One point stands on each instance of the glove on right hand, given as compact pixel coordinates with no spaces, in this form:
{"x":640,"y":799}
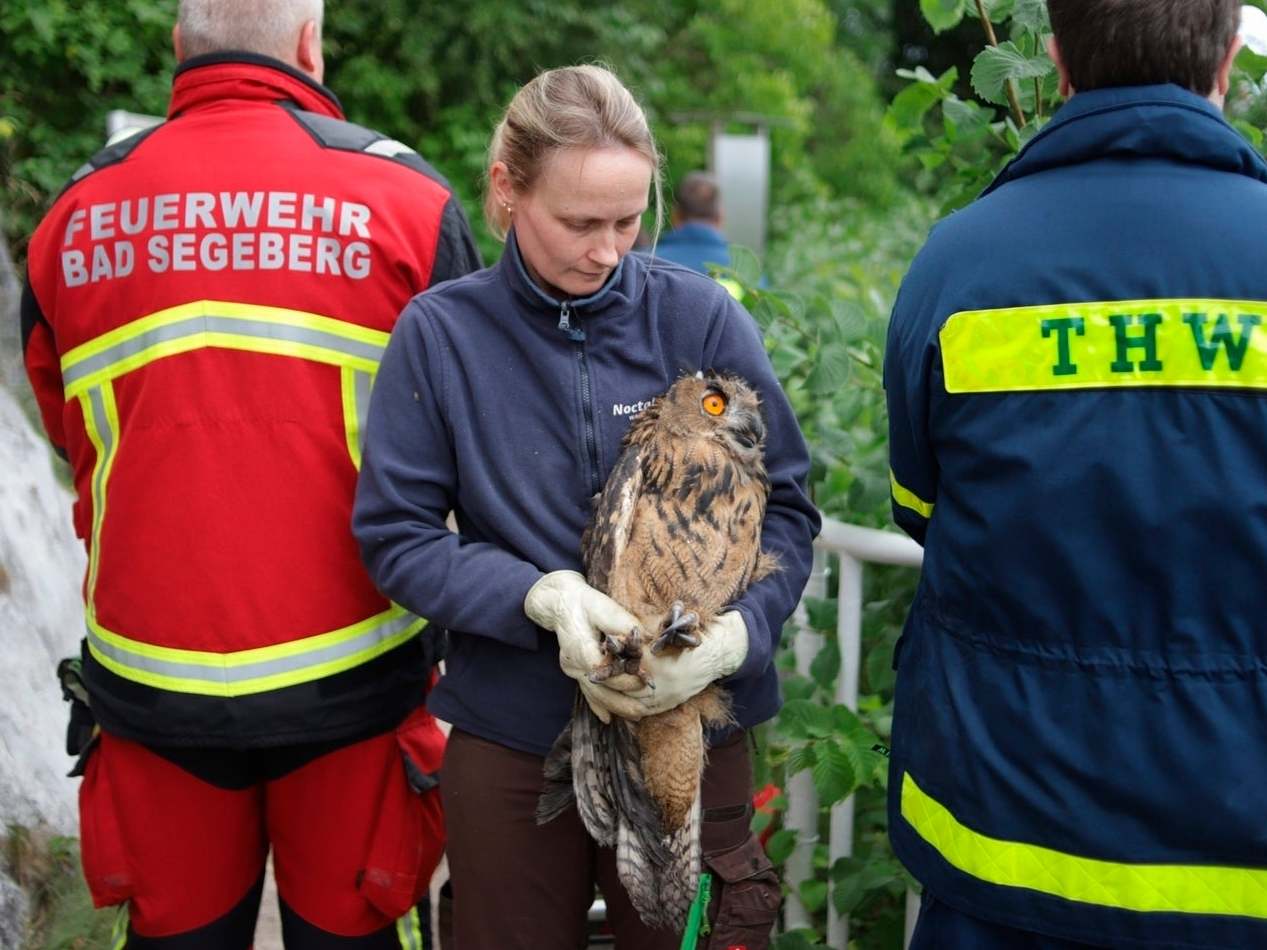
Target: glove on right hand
{"x":579,"y":616}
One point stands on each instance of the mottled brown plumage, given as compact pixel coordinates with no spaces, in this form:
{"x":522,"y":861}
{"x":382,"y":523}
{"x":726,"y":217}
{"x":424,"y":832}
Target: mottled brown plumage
{"x":675,"y":538}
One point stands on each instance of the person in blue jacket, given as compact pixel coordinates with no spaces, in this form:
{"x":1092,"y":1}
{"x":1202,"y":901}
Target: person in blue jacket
{"x":1076,"y":378}
{"x":696,"y":239}
{"x":503,"y":398}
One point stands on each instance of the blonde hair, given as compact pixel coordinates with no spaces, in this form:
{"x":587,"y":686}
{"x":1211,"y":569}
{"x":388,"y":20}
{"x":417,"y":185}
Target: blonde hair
{"x":571,"y":107}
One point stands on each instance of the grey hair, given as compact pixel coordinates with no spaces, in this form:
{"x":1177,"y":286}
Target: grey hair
{"x":269,"y":27}
{"x":570,"y":107}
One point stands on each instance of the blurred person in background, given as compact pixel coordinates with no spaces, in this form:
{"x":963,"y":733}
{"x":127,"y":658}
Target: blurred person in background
{"x":696,"y":239}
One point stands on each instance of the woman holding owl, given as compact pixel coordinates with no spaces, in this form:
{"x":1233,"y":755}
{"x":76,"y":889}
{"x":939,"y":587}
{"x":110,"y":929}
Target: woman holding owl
{"x":503,"y":397}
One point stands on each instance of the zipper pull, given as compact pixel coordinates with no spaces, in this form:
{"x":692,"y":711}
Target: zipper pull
{"x":575,"y":334}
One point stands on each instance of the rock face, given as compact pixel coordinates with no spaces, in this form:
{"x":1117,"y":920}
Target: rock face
{"x":41,"y":617}
{"x":41,"y":620}
{"x":13,"y":913}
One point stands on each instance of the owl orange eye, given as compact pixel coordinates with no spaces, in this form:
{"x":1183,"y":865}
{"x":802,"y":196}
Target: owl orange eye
{"x":714,"y":404}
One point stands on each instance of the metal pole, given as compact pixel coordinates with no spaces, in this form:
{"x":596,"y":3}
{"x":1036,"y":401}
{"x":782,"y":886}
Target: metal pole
{"x":849,"y":636}
{"x":802,"y":799}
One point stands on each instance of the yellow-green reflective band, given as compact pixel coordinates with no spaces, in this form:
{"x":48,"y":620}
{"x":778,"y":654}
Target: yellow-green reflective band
{"x":101,"y":422}
{"x":409,"y":930}
{"x":119,"y":932}
{"x":217,"y":323}
{"x":356,"y":404}
{"x":1193,"y":342}
{"x":908,"y":499}
{"x":1174,"y":888}
{"x":252,"y":671}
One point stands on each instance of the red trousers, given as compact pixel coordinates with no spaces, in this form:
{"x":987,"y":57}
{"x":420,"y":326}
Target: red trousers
{"x":354,"y":843}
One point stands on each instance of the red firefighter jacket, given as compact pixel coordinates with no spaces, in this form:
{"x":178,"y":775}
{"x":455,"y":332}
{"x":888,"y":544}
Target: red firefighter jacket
{"x":207,"y":303}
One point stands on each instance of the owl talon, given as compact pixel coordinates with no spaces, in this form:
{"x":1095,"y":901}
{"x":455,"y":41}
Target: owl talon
{"x":680,"y":630}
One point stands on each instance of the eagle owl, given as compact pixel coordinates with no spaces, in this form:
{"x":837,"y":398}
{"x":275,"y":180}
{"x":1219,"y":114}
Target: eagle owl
{"x":675,"y":538}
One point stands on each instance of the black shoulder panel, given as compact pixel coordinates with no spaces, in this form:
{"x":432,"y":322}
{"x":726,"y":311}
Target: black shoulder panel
{"x":329,"y":132}
{"x":111,"y":154}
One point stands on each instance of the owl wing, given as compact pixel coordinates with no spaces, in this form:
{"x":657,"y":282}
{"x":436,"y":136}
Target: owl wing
{"x":604,"y":540}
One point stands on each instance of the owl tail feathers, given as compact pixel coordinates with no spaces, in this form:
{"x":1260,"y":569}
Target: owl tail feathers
{"x":556,"y":794}
{"x":661,"y":891}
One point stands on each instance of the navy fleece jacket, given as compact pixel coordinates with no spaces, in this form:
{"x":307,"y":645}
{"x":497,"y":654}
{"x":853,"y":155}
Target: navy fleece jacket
{"x":507,"y":407}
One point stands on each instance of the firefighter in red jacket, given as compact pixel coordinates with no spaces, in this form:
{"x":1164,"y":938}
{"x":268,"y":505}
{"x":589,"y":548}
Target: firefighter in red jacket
{"x":206,"y":306}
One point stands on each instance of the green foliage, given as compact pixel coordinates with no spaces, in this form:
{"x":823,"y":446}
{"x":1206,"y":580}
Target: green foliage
{"x":46,"y":867}
{"x":437,"y":75}
{"x":66,"y":63}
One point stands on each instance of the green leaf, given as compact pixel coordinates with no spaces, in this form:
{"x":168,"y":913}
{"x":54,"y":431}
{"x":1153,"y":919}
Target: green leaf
{"x":801,"y":757}
{"x":834,"y":774}
{"x":746,"y":265}
{"x":822,"y":613}
{"x":1251,"y":132}
{"x":796,"y":940}
{"x":999,"y":10}
{"x":942,"y":15}
{"x":813,"y":894}
{"x":965,"y":119}
{"x":832,"y":371}
{"x":760,"y":821}
{"x":1031,"y":16}
{"x":995,"y":65}
{"x":805,"y":719}
{"x":1251,"y":63}
{"x":906,"y":112}
{"x":826,"y":665}
{"x":781,"y":845}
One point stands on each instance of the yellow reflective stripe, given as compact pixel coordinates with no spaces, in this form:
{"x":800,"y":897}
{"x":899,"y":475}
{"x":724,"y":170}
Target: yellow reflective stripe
{"x":214,"y":323}
{"x":409,"y":930}
{"x":252,"y":671}
{"x":356,"y":385}
{"x":1176,"y":888}
{"x":1195,"y":342}
{"x":101,"y":422}
{"x":908,"y":499}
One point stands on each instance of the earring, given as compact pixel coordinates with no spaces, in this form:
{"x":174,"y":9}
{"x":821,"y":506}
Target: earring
{"x":509,"y":209}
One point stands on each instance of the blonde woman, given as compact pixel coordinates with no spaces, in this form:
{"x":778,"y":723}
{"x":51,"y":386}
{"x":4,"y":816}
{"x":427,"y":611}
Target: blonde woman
{"x":503,"y":397}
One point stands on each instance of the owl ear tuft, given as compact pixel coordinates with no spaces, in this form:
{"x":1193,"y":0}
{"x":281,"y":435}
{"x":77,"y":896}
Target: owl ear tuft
{"x":699,"y":374}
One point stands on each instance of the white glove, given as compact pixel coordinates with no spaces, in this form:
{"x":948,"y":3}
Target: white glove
{"x":675,"y":679}
{"x":579,"y":616}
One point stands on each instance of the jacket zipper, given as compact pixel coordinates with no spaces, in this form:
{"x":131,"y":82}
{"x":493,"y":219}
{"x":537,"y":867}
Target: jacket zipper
{"x":577,"y":336}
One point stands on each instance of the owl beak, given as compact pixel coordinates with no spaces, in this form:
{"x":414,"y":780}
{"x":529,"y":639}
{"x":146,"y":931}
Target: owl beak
{"x":750,"y":431}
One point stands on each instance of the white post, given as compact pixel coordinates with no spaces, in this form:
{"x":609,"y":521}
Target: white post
{"x":912,"y":914}
{"x":849,"y":636}
{"x":802,"y":799}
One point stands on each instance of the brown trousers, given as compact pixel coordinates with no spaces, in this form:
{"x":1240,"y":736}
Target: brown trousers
{"x":521,"y":886}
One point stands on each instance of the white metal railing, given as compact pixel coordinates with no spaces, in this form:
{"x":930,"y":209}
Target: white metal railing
{"x":854,"y":546}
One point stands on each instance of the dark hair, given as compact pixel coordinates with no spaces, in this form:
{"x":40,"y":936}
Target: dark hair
{"x":697,"y":197}
{"x":1143,"y":42}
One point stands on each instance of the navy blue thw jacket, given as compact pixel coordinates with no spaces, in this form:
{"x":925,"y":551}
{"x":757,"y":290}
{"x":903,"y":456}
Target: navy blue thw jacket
{"x":1077,"y":384}
{"x":508,"y":408}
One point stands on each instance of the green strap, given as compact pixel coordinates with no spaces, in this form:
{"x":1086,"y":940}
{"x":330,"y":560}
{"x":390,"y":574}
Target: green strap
{"x":697,"y":916}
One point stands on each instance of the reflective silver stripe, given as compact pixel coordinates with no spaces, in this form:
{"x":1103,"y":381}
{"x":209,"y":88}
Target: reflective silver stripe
{"x":362,"y":383}
{"x":388,"y":148}
{"x":105,"y":432}
{"x":235,"y":326}
{"x":230,"y":672}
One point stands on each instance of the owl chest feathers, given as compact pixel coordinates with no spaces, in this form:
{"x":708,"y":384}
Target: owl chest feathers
{"x":692,"y":534}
